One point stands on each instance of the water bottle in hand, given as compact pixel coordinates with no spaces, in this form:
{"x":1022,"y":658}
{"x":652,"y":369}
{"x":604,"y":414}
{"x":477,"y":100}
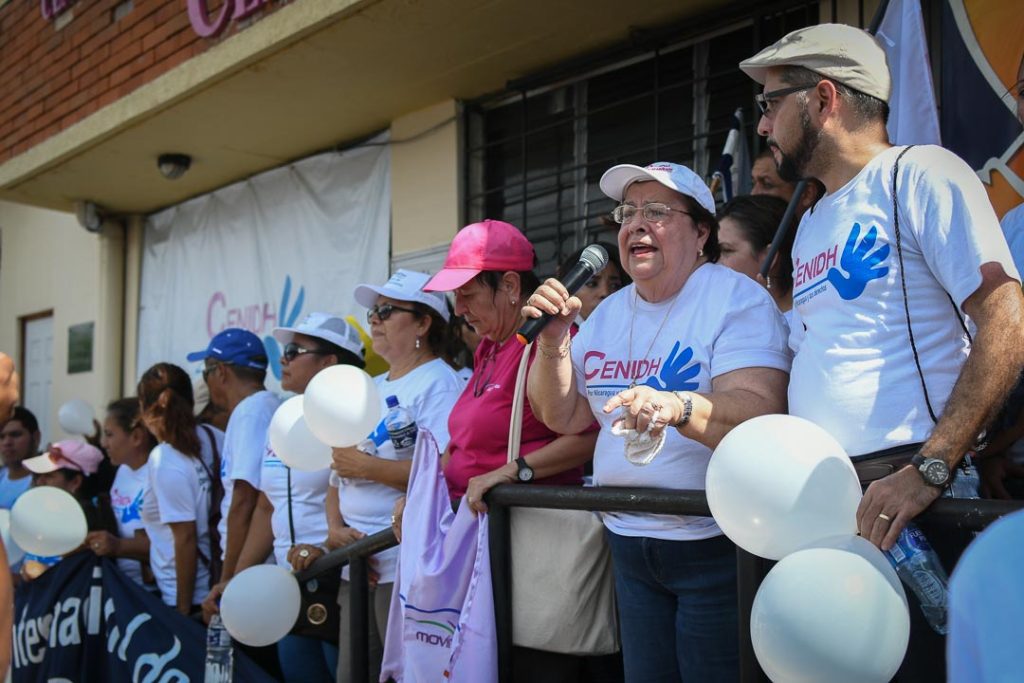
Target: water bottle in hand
{"x":400,"y":425}
{"x":220,"y":658}
{"x":919,"y":568}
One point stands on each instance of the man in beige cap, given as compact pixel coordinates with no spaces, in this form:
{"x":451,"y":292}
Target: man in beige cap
{"x":883,"y":358}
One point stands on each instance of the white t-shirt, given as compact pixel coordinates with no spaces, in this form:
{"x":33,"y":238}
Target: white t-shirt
{"x":722,"y":321}
{"x":179,"y":491}
{"x":242,"y":456}
{"x":428,"y":393}
{"x":126,"y":496}
{"x":1013,"y":230}
{"x":309,"y":491}
{"x":854,"y":372}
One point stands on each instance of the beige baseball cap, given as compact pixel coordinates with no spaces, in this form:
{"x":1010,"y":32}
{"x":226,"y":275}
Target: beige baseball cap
{"x":845,"y":54}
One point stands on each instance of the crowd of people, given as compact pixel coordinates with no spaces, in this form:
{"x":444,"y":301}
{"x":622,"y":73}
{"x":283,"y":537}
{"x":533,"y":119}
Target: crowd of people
{"x":891,"y":318}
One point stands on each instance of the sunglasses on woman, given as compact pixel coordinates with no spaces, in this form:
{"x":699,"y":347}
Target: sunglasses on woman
{"x":292,"y":351}
{"x":384,"y":311}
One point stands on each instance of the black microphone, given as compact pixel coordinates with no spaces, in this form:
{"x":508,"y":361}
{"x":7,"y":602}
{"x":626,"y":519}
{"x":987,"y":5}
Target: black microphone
{"x":592,"y":261}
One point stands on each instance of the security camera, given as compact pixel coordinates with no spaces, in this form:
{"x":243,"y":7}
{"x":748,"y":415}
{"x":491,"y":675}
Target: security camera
{"x":173,"y":166}
{"x":89,"y":216}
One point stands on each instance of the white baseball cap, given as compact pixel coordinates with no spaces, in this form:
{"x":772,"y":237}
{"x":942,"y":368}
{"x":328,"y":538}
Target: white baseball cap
{"x":404,"y":285}
{"x":327,"y":327}
{"x":845,"y":54}
{"x":673,"y":176}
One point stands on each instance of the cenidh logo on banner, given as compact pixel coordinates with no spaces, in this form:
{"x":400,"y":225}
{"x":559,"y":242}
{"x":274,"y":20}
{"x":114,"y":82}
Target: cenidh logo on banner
{"x":260,"y":318}
{"x":981,"y":65}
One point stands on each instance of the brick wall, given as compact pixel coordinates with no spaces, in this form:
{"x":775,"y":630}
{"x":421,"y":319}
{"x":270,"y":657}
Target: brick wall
{"x":53,"y":77}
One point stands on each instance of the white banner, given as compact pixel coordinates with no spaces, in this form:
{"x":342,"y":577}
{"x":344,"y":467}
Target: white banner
{"x":265,"y":252}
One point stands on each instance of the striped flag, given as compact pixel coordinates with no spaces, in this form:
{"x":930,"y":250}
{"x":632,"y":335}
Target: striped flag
{"x":733,"y":171}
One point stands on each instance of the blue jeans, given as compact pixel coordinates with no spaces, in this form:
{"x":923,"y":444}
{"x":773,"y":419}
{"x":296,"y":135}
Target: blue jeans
{"x":307,"y":660}
{"x":678,"y":609}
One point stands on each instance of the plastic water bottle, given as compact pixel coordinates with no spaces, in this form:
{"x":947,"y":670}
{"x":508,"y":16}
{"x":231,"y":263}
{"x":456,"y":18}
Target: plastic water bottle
{"x":220,"y":657}
{"x":919,"y":568}
{"x":400,"y":425}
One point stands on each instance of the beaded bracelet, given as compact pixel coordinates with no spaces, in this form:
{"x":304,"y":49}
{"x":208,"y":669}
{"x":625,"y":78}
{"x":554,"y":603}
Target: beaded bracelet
{"x":687,"y":400}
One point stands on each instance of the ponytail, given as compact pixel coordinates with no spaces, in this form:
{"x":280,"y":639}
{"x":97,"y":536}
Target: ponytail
{"x":165,"y":399}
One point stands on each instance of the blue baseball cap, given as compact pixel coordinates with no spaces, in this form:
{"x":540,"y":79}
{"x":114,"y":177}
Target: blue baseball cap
{"x":236,"y":346}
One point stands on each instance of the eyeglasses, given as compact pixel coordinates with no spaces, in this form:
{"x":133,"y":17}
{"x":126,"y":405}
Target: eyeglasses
{"x":655,"y":212}
{"x":210,"y":368}
{"x":766,"y":101}
{"x":384,"y":311}
{"x":292,"y":351}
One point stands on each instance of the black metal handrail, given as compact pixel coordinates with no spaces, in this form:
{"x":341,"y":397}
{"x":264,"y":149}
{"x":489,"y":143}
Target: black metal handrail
{"x":965,"y":514}
{"x":355,"y":555}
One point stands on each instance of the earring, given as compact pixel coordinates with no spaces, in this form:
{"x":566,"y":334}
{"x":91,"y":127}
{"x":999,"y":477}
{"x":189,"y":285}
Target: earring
{"x":768,"y":282}
{"x":700,"y":252}
{"x":513,"y":302}
{"x":417,"y":342}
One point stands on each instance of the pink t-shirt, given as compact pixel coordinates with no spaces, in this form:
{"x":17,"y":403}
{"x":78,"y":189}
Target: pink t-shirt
{"x":478,"y":425}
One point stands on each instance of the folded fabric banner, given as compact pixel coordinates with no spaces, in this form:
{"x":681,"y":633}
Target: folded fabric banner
{"x":84,"y":620}
{"x":441,"y":624}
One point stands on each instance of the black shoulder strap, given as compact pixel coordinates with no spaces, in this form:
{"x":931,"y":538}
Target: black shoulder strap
{"x":903,"y":285}
{"x":291,"y":520}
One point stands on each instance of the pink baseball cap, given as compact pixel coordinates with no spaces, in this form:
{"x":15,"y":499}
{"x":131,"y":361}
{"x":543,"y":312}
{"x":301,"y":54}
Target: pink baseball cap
{"x":487,"y":245}
{"x":72,"y":455}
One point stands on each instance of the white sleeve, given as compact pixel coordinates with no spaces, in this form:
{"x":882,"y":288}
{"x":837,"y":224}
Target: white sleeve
{"x":952,"y":219}
{"x":246,"y":448}
{"x":176,"y":489}
{"x":752,"y":335}
{"x":433,"y":408}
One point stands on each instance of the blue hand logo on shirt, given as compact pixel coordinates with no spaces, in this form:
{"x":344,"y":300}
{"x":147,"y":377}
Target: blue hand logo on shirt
{"x":134,"y":511}
{"x":379,"y":436}
{"x":861,"y":265}
{"x":285,"y":318}
{"x":675,"y":375}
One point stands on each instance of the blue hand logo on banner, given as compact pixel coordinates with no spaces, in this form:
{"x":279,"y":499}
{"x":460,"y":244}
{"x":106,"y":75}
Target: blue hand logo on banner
{"x":285,"y":318}
{"x":675,"y":374}
{"x":859,"y":263}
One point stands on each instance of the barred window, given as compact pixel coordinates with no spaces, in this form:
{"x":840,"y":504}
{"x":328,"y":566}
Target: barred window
{"x":536,"y":152}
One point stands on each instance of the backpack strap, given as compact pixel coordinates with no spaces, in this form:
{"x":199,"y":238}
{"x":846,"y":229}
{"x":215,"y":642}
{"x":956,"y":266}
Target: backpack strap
{"x":903,"y":285}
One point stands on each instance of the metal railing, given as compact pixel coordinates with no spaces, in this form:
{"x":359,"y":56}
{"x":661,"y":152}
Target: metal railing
{"x":963,"y":514}
{"x":960,"y":514}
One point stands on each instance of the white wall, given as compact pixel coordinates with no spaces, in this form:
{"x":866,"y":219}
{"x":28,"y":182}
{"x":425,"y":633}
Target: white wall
{"x":48,"y":262}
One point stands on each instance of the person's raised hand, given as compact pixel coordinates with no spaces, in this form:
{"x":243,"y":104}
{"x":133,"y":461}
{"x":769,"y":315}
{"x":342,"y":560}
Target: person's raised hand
{"x":8,"y":386}
{"x":553,"y":298}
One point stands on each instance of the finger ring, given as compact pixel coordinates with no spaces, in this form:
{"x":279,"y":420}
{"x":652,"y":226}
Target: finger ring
{"x":303,"y":553}
{"x":885,"y":516}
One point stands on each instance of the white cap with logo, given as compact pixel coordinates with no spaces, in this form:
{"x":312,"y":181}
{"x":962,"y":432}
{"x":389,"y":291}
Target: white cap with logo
{"x":673,"y":176}
{"x":404,"y":285}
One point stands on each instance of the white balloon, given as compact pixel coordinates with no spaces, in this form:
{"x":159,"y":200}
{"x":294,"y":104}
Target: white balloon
{"x":260,"y":605}
{"x":835,"y":612}
{"x":342,"y":405}
{"x":76,"y":416}
{"x":47,"y":521}
{"x":14,"y":552}
{"x":777,"y":483}
{"x":293,"y":442}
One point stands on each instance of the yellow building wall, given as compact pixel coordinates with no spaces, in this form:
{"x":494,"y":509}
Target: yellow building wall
{"x":48,"y":262}
{"x":426,"y":198}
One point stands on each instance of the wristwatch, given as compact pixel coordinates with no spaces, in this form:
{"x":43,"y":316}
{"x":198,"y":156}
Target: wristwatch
{"x":934,"y":471}
{"x":525,"y":473}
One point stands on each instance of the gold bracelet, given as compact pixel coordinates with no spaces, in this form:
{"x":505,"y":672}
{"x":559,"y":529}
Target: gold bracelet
{"x":554,"y":352}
